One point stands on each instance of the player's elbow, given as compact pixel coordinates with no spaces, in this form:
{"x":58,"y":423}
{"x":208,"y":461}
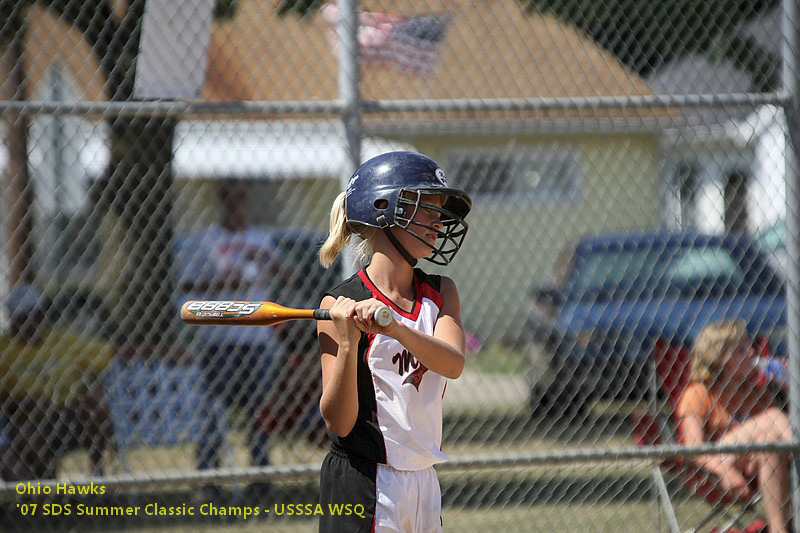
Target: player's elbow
{"x":456,"y":368}
{"x":339,"y":428}
{"x":338,"y":423}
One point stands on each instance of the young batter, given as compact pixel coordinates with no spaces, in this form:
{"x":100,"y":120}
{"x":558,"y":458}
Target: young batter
{"x":383,"y":386}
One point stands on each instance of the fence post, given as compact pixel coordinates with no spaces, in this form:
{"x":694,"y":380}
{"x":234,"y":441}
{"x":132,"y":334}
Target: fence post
{"x":791,"y":83}
{"x":349,"y":92}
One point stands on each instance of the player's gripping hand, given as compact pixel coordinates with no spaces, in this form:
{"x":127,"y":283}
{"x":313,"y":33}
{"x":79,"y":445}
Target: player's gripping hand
{"x":364,"y":313}
{"x":343,"y":316}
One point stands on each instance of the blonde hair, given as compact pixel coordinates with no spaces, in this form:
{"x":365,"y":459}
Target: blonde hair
{"x":714,"y":347}
{"x":340,"y":233}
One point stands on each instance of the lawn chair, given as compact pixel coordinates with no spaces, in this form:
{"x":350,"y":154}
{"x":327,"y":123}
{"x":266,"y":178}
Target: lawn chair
{"x":157,"y":403}
{"x":667,"y":382}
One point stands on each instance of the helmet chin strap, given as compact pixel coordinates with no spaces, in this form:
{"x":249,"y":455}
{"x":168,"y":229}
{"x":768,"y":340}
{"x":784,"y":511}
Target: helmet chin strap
{"x":392,"y":239}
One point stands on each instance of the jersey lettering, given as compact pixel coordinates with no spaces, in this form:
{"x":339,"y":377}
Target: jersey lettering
{"x":405,"y":361}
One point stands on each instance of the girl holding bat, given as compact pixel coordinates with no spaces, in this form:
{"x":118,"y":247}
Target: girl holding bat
{"x":383,"y":386}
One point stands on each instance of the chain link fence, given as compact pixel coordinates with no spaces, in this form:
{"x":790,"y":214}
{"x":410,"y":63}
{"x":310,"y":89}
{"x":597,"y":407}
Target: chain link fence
{"x":633,"y":180}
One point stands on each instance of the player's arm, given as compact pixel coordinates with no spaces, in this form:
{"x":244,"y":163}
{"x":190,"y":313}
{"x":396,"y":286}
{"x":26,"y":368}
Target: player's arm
{"x":338,"y":339}
{"x":443,"y":352}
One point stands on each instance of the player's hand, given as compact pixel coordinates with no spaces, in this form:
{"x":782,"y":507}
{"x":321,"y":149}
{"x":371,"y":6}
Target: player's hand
{"x":365,"y":311}
{"x":343,"y":316}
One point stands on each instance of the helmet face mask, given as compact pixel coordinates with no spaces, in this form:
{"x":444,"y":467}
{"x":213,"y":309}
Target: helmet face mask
{"x":388,"y":190}
{"x":450,"y":237}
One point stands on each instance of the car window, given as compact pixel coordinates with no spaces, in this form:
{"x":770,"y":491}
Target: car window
{"x":611,"y":268}
{"x":771,"y":239}
{"x":654,"y":269}
{"x":702,"y":263}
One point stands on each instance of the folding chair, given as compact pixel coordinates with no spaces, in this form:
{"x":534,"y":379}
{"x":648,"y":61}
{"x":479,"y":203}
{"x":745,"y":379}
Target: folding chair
{"x":156,"y":403}
{"x":669,"y":376}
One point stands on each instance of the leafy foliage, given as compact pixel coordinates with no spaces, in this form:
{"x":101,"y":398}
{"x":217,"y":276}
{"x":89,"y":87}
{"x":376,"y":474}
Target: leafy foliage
{"x":645,"y":34}
{"x":299,"y":7}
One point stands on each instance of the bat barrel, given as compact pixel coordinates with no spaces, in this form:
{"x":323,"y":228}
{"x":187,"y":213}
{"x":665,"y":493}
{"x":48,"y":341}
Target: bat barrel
{"x":248,"y":313}
{"x":239,"y":313}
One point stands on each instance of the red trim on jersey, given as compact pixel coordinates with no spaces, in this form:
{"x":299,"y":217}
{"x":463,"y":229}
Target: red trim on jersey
{"x":431,"y":294}
{"x":421,"y":290}
{"x":378,"y":295}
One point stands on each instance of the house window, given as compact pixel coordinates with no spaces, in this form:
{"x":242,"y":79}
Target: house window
{"x":530,"y":175}
{"x":688,"y":185}
{"x":62,"y":163}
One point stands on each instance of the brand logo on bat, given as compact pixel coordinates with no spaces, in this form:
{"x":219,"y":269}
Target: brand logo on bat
{"x":222,"y":309}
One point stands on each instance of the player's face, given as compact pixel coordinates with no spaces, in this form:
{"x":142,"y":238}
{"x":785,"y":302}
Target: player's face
{"x":426,"y":225}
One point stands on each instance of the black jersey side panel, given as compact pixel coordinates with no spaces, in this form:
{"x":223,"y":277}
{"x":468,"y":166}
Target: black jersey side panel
{"x":366,"y":438}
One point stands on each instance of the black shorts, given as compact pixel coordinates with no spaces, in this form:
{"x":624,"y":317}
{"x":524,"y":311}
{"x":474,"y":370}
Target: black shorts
{"x":347,"y":480}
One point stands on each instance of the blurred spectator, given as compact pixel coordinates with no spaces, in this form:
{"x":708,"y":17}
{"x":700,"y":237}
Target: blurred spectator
{"x":229,"y":261}
{"x":726,"y":403}
{"x":51,"y":395}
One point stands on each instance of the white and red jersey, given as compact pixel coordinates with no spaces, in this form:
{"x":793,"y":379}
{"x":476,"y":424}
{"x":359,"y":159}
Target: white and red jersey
{"x":400,"y":401}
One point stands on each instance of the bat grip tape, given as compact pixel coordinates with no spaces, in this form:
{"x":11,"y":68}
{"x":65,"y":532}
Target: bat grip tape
{"x":322,"y":314}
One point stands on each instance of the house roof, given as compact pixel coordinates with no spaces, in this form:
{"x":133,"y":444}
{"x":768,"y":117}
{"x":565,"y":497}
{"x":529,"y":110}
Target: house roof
{"x":492,"y":49}
{"x":695,"y":74}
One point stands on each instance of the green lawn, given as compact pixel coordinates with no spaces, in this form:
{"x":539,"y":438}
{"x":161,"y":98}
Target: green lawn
{"x":485,"y":414}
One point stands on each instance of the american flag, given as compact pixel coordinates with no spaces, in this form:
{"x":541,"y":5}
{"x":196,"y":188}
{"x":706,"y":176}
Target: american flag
{"x":410,"y":42}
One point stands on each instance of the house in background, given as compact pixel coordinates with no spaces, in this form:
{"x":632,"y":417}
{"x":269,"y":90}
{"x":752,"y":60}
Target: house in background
{"x":539,"y":179}
{"x":725,"y":169}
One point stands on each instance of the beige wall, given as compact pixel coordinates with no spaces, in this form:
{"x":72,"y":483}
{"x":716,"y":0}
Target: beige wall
{"x":511,"y":249}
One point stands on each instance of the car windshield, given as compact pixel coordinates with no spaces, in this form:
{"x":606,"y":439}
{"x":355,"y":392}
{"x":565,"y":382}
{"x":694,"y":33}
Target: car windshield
{"x":649,"y":269}
{"x":772,"y":239}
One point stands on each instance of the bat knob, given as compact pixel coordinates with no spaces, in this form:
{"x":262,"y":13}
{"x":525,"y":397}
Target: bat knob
{"x":383,"y":316}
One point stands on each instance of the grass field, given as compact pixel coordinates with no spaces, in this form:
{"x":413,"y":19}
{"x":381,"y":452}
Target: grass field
{"x":486,"y":414}
{"x":609,"y":496}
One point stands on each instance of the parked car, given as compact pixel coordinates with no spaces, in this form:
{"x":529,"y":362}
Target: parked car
{"x":592,"y":330}
{"x":772,"y":242}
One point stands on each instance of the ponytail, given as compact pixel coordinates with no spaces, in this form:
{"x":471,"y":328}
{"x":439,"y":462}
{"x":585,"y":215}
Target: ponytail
{"x":339,"y":234}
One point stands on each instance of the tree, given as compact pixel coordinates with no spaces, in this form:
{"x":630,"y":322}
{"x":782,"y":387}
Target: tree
{"x":137,"y":186}
{"x":645,"y":35}
{"x":18,"y":194}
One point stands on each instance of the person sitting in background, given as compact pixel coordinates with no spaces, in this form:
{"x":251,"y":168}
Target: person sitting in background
{"x":725,"y":403}
{"x":51,"y":395}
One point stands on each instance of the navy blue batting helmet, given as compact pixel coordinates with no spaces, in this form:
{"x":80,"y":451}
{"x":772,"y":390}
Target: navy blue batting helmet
{"x":387,"y":191}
